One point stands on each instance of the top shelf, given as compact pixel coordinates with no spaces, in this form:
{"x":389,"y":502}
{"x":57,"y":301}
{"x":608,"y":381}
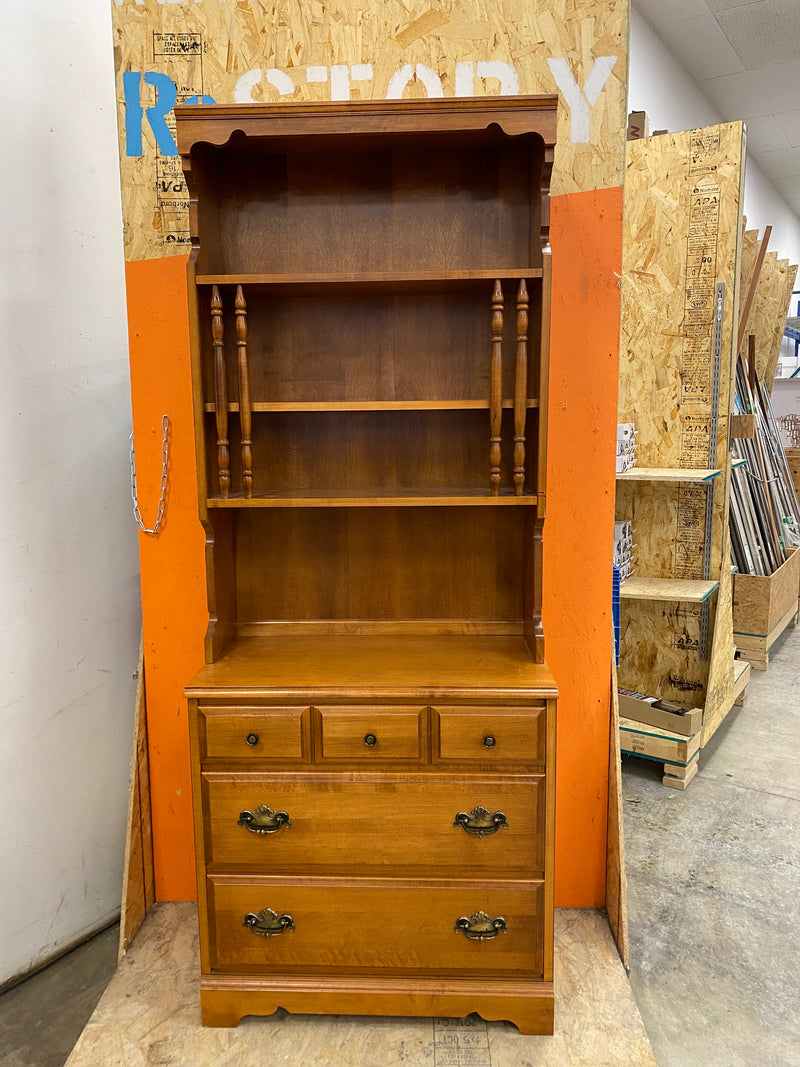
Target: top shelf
{"x":432,"y":280}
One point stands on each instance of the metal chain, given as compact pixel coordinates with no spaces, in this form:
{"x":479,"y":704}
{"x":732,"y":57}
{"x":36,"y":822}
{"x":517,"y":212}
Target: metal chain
{"x":164,"y":461}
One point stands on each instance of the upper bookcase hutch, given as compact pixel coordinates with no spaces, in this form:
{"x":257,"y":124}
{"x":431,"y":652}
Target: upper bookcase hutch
{"x":369,"y":288}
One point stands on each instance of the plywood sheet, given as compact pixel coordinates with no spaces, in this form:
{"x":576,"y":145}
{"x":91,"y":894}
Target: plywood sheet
{"x":720,"y":690}
{"x":789,"y":275}
{"x":682,"y":237}
{"x":616,"y":877}
{"x":138,"y":882}
{"x":240,"y":50}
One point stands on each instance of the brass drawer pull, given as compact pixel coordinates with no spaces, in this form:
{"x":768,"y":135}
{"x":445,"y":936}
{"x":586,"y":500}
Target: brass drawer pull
{"x":268,"y":923}
{"x":479,"y":822}
{"x":489,"y":741}
{"x":479,"y":927}
{"x":264,"y":820}
{"x":370,"y":740}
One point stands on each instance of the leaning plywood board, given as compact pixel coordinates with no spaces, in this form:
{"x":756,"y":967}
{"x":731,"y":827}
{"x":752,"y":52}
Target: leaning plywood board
{"x":616,"y":878}
{"x":790,"y":275}
{"x":747,"y":263}
{"x":681,"y":241}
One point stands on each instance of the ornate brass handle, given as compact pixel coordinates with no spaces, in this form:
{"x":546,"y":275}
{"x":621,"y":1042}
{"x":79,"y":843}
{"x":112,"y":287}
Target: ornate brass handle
{"x":263,"y":820}
{"x":268,"y":923}
{"x":479,"y":822}
{"x":479,"y":927}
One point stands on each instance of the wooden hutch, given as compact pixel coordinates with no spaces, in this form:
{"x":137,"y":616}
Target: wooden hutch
{"x":373,"y":734}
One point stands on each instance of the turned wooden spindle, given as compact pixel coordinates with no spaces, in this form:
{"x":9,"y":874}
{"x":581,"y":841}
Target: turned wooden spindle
{"x":496,"y":390}
{"x":220,"y":394}
{"x":245,"y":408}
{"x":521,"y":388}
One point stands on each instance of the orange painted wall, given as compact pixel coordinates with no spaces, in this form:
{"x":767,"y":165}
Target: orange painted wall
{"x":586,"y":236}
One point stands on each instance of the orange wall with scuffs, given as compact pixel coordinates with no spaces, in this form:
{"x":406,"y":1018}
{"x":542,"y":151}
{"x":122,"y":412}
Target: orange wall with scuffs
{"x":586,"y":237}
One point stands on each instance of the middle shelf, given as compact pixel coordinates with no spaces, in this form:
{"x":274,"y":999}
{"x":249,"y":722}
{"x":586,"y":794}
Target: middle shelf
{"x":381,"y":498}
{"x":370,"y":405}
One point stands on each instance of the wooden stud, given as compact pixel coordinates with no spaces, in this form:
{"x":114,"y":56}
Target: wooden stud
{"x":220,"y":394}
{"x":521,"y":388}
{"x":496,"y":389}
{"x":244,"y":392}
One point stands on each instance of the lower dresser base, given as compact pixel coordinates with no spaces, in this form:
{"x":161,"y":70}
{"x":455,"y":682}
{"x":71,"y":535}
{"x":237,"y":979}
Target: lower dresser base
{"x":225,"y":1000}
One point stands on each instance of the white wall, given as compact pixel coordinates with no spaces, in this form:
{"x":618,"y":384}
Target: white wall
{"x":659,"y":85}
{"x":69,"y":568}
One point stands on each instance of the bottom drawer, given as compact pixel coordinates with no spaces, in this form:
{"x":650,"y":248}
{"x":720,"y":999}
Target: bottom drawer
{"x":372,"y":926}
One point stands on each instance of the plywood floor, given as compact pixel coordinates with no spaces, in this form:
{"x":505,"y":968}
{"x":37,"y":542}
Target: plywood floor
{"x":150,"y":1016}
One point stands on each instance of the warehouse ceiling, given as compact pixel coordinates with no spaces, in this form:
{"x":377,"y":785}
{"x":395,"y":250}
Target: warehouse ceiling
{"x":745,"y":56}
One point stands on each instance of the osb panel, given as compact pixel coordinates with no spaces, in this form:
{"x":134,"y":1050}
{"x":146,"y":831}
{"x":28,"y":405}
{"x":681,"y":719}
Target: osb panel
{"x":747,"y":263}
{"x":789,"y":275}
{"x":239,"y":50}
{"x":682,"y":236}
{"x":763,"y":313}
{"x":719,"y":693}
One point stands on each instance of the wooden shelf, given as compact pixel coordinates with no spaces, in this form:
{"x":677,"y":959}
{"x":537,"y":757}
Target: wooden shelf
{"x":427,"y":280}
{"x":418,"y":665}
{"x":668,"y":474}
{"x":683,"y":589}
{"x":374,"y":498}
{"x":371,"y":405}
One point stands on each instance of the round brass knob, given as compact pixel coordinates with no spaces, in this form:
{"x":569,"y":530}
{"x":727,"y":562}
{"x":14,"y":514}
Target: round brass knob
{"x":370,"y":740}
{"x":489,"y":741}
{"x":252,"y":739}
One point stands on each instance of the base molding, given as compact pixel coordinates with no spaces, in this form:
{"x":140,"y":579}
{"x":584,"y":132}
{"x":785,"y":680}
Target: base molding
{"x":225,"y":999}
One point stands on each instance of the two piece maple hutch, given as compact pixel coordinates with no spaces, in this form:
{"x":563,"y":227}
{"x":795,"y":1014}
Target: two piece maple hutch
{"x":373,"y":732}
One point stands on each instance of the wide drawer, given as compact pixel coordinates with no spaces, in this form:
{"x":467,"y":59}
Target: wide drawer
{"x":491,"y":735}
{"x":373,"y":732}
{"x":254,"y":733}
{"x":364,"y":926}
{"x":378,"y":821}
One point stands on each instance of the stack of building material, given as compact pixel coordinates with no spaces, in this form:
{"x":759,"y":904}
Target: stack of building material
{"x":765,"y":529}
{"x":623,"y":549}
{"x":626,"y":446}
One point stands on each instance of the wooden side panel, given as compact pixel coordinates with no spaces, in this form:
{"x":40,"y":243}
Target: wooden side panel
{"x":721,"y":675}
{"x":138,"y":882}
{"x":616,"y":877}
{"x":681,"y":239}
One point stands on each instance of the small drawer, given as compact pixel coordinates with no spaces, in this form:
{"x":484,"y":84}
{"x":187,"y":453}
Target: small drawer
{"x":272,"y":925}
{"x":373,"y":733}
{"x":257,"y":733}
{"x":492,"y":734}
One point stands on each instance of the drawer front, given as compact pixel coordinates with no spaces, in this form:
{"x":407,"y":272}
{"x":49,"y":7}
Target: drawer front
{"x":392,"y":821}
{"x":492,"y":734}
{"x":257,"y":733}
{"x":357,"y":927}
{"x":373,"y":733}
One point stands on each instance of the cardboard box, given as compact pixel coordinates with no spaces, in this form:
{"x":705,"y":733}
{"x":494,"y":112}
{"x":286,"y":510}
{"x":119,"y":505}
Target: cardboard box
{"x":638,"y":125}
{"x":640,"y":709}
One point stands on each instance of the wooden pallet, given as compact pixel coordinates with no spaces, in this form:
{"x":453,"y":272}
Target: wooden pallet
{"x":755,"y":648}
{"x":679,"y":754}
{"x":741,"y":680}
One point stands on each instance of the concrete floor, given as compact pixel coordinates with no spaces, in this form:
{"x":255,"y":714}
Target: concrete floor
{"x":713,"y":887}
{"x":41,"y":1019}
